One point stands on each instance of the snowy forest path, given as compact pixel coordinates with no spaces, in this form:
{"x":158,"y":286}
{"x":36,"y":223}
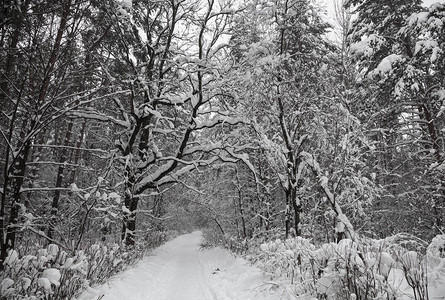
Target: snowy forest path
{"x":180,"y":270}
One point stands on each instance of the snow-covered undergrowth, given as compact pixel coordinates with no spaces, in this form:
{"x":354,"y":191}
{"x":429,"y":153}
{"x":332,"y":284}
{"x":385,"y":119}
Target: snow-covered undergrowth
{"x":364,"y":269}
{"x":56,"y":273}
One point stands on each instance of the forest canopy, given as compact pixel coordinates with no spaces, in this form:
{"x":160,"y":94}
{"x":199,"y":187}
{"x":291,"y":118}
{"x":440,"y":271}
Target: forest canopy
{"x":122,"y":120}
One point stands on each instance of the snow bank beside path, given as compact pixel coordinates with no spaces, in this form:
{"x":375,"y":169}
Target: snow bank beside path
{"x":179,"y":270}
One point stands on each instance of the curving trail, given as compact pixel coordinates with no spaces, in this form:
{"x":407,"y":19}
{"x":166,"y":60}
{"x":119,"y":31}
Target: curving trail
{"x":179,"y":270}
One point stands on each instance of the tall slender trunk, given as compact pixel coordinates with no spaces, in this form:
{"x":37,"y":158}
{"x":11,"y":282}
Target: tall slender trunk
{"x":35,"y":155}
{"x":240,"y":205}
{"x":59,"y":180}
{"x":345,"y":230}
{"x":76,"y":157}
{"x":438,"y":197}
{"x":16,"y":178}
{"x":288,"y":215}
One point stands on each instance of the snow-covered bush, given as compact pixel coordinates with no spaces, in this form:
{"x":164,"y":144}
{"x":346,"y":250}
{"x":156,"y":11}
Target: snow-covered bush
{"x":362,"y":269}
{"x":38,"y":275}
{"x":331,"y":271}
{"x":436,"y":249}
{"x":435,"y":254}
{"x":55,"y":273}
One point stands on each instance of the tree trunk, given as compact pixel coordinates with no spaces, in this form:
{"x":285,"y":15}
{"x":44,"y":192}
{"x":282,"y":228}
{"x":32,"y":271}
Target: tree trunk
{"x":16,"y":176}
{"x":131,"y":205}
{"x":240,"y":205}
{"x":297,"y":212}
{"x":345,"y":230}
{"x":59,"y":180}
{"x":76,"y":157}
{"x":287,"y":214}
{"x":129,"y":220}
{"x":438,"y":197}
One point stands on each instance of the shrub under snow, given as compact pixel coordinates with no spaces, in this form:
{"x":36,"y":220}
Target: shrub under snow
{"x":366,"y":269}
{"x":53,"y":273}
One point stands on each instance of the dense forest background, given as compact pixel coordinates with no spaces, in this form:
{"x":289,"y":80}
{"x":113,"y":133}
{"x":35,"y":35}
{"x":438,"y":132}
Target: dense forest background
{"x":124,"y":120}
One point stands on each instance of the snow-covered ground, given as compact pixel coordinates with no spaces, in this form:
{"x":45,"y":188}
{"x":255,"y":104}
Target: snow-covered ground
{"x":181,"y":270}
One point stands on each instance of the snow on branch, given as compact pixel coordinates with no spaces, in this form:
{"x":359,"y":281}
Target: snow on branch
{"x":387,"y":64}
{"x":95,"y":115}
{"x":70,"y":147}
{"x":344,"y":224}
{"x":218,"y":120}
{"x":175,"y":176}
{"x":203,"y":148}
{"x":44,"y":189}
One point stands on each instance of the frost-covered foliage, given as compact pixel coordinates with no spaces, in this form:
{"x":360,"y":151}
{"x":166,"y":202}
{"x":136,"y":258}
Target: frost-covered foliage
{"x":413,"y":71}
{"x":292,"y":104}
{"x":405,"y":50}
{"x":56,"y":273}
{"x":362,"y":269}
{"x":398,"y":49}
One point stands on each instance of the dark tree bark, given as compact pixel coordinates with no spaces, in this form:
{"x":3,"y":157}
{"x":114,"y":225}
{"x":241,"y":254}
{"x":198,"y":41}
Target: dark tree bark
{"x":59,"y":180}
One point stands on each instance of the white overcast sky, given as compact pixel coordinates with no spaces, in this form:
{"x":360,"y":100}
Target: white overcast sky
{"x":429,"y":2}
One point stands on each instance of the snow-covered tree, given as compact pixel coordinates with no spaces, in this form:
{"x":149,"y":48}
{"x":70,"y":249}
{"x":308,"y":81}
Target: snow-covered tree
{"x":41,"y":75}
{"x":166,"y":56}
{"x":289,"y":67}
{"x":398,"y":46}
